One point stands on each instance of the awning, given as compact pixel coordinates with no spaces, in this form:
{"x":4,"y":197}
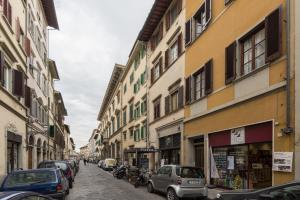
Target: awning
{"x":141,"y":150}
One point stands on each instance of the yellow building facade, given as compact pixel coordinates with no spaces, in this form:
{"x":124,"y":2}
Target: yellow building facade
{"x":236,"y":114}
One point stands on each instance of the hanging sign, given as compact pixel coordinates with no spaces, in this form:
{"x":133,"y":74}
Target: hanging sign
{"x":237,"y":136}
{"x":283,"y":161}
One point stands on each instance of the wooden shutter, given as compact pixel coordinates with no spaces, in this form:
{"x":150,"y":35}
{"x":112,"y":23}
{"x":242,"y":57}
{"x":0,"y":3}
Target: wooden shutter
{"x":5,"y":8}
{"x":187,"y":90}
{"x":152,"y":75}
{"x":28,"y":97}
{"x":180,"y":97}
{"x":273,"y":28}
{"x":160,"y":67}
{"x":2,"y":62}
{"x":179,"y":6}
{"x":18,"y":83}
{"x":9,"y":13}
{"x":207,"y":11}
{"x":168,"y":20}
{"x":230,"y":63}
{"x":166,"y":58}
{"x":188,"y":32}
{"x":18,"y":29}
{"x":152,"y":44}
{"x":167,"y":105}
{"x":179,"y":41}
{"x":27,"y":47}
{"x":161,"y":31}
{"x":208,"y":77}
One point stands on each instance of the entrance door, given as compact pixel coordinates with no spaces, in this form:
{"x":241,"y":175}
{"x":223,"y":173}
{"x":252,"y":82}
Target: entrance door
{"x":29,"y":157}
{"x":199,"y":155}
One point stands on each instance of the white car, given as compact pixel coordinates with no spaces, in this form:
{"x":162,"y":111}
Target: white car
{"x":109,"y":164}
{"x":100,"y":163}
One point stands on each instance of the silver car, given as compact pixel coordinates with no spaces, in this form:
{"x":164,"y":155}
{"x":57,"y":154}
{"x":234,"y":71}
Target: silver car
{"x":178,"y":182}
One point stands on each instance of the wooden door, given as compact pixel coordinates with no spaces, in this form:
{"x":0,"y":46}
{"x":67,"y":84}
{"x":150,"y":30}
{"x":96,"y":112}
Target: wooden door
{"x":30,"y":158}
{"x":199,"y":155}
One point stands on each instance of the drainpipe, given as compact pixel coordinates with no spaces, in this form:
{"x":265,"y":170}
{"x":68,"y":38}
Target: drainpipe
{"x":288,"y":129}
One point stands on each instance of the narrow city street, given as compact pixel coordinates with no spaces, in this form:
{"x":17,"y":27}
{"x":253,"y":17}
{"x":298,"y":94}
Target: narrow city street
{"x":92,"y":183}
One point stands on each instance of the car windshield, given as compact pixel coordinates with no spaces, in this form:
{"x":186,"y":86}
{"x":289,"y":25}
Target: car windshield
{"x":28,"y":178}
{"x":189,"y":172}
{"x":61,"y":165}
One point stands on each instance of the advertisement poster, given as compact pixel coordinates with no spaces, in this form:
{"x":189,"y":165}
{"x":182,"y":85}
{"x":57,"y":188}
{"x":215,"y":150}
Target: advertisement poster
{"x":283,"y":161}
{"x":230,"y":162}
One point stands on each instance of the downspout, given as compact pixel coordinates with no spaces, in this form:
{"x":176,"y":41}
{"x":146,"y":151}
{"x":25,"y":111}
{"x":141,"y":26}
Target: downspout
{"x":288,"y":129}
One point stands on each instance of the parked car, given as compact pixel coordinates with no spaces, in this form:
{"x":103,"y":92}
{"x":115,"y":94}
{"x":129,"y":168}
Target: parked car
{"x":289,"y":191}
{"x":23,"y":196}
{"x":73,"y":166}
{"x":63,"y":165}
{"x":178,"y":182}
{"x":109,"y":164}
{"x":100,"y":163}
{"x":49,"y":182}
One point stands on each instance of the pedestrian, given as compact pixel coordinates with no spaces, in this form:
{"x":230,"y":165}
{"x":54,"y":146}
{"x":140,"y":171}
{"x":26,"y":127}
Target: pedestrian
{"x":84,"y":161}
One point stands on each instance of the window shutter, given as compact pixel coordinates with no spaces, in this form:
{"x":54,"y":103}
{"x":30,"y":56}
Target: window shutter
{"x":192,"y":91}
{"x":168,"y":20}
{"x":5,"y":8}
{"x":179,"y":41}
{"x":188,"y":32}
{"x":166,"y":58}
{"x":9,"y":13}
{"x":18,"y":83}
{"x":161,"y":31}
{"x":28,"y":97}
{"x":2,"y":61}
{"x":27,"y":47}
{"x":207,"y":11}
{"x":167,"y":105}
{"x":273,"y":28}
{"x":18,"y":29}
{"x":230,"y":65}
{"x":180,"y":97}
{"x":152,"y":74}
{"x":160,"y":67}
{"x":208,"y":77}
{"x":179,"y":6}
{"x":187,"y":90}
{"x":152,"y":44}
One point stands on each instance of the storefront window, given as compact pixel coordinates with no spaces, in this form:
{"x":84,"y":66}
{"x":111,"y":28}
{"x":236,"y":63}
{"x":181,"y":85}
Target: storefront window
{"x":243,"y":166}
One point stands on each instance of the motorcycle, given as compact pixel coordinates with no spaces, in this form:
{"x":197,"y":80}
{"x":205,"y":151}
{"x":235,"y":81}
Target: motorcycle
{"x":142,"y":179}
{"x":120,"y":172}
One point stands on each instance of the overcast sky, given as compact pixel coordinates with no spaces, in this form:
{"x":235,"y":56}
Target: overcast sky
{"x":93,"y":36}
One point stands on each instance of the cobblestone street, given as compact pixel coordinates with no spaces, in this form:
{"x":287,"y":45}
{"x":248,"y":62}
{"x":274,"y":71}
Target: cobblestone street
{"x":92,"y":183}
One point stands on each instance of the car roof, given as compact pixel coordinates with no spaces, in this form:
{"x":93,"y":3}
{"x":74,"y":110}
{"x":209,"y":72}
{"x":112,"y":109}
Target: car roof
{"x":12,"y":194}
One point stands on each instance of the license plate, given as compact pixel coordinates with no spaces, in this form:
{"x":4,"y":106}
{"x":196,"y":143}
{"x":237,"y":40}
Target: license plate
{"x":193,"y":182}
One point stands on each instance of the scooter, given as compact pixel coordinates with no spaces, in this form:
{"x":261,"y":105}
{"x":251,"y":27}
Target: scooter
{"x":142,"y":179}
{"x":120,"y":172}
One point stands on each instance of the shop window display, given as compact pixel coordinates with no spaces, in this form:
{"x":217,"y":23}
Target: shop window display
{"x":243,"y":166}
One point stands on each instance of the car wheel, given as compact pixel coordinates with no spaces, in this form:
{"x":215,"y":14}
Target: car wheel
{"x":150,"y":188}
{"x":171,"y":195}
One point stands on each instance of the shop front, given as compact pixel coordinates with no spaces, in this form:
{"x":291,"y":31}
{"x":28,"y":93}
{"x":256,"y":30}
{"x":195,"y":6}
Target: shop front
{"x":139,"y":157}
{"x":241,"y":158}
{"x":170,"y":149}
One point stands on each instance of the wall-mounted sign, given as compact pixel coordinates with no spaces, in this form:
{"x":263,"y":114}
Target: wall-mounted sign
{"x":283,"y":161}
{"x":238,"y":136}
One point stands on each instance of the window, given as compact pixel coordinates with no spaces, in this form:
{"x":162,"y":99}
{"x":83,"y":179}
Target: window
{"x":131,"y":132}
{"x":113,"y":125}
{"x":173,"y":13}
{"x":131,"y":78}
{"x":144,"y":130}
{"x":118,"y":121}
{"x":131,"y":112}
{"x":118,"y":97}
{"x":137,"y":112}
{"x":157,"y":36}
{"x":199,"y":84}
{"x":125,"y":88}
{"x":156,"y":71}
{"x":198,"y":23}
{"x":173,"y":52}
{"x":137,"y":136}
{"x":124,"y":136}
{"x":7,"y":11}
{"x":124,"y":117}
{"x":156,"y":106}
{"x":144,"y":105}
{"x":174,"y":101}
{"x":8,"y":78}
{"x":253,"y":52}
{"x":143,"y":76}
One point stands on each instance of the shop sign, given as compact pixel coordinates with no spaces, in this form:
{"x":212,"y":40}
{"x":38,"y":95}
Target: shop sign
{"x":237,"y":136}
{"x":283,"y":161}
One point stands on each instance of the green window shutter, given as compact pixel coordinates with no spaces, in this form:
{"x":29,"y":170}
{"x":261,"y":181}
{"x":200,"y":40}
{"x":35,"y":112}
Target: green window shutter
{"x":138,"y":134}
{"x":135,"y":139}
{"x":134,"y":88}
{"x":142,"y":107}
{"x":142,"y":132}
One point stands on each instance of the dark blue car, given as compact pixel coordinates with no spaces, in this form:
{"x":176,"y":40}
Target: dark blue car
{"x":23,"y":196}
{"x":49,"y":182}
